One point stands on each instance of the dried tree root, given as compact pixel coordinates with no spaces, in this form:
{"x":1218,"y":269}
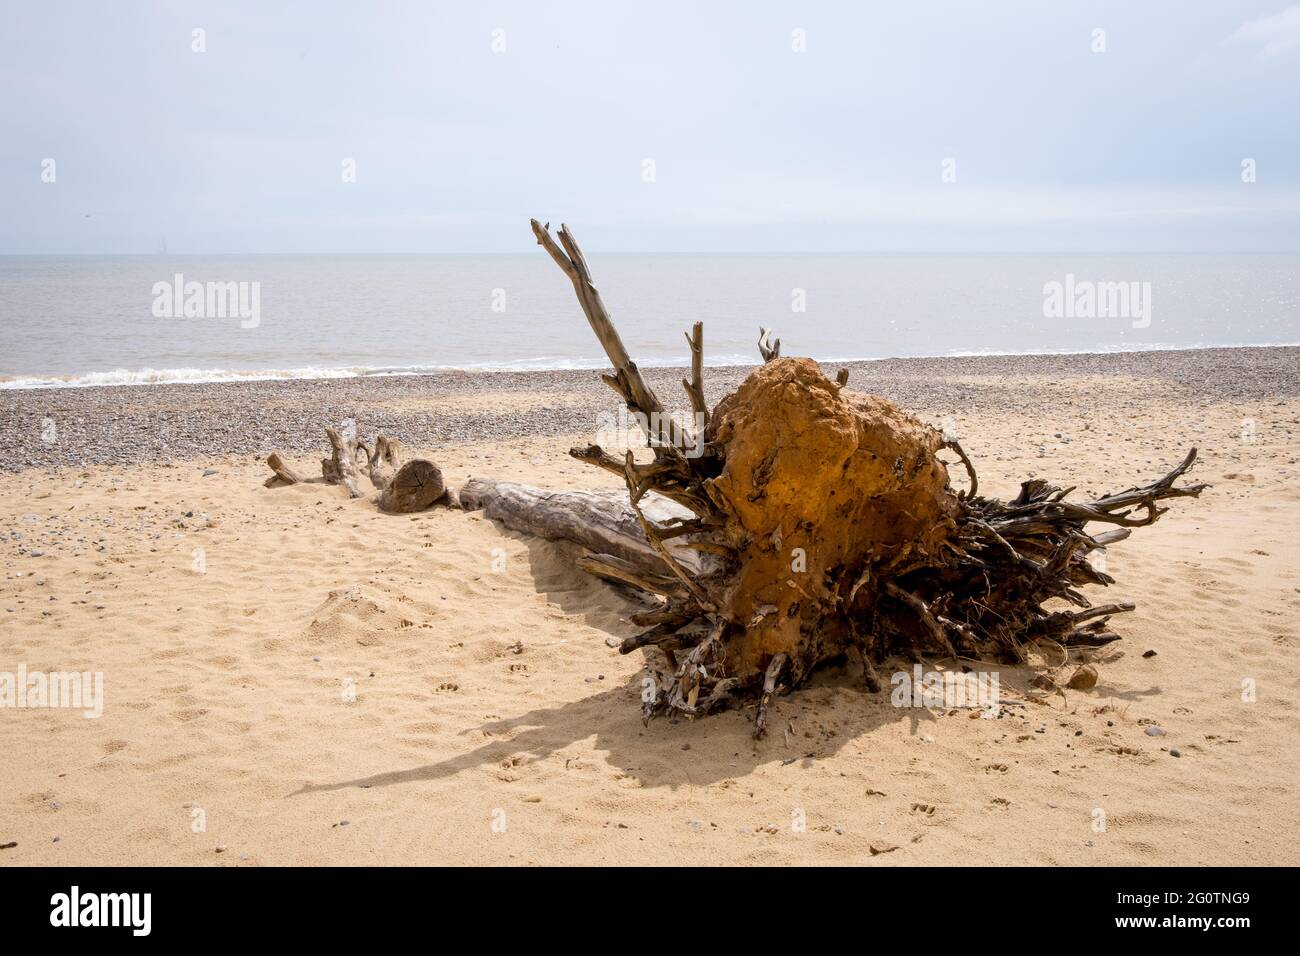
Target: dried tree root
{"x":830,"y":528}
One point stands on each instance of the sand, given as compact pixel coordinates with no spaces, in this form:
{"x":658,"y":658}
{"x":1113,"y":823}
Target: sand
{"x":291,"y":677}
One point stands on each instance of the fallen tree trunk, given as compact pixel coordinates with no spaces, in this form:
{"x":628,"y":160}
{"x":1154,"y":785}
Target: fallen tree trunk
{"x":601,"y":521}
{"x":830,"y":528}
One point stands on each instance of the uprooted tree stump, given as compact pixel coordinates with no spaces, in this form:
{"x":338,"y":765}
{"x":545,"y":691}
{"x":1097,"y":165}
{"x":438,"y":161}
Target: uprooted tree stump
{"x":825,"y":526}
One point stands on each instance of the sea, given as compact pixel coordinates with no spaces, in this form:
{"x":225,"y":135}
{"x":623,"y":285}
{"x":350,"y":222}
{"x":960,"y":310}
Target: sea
{"x":140,"y":320}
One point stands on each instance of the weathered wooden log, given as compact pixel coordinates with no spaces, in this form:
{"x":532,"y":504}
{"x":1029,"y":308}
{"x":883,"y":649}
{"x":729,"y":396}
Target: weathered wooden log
{"x":600,"y":521}
{"x":417,"y":485}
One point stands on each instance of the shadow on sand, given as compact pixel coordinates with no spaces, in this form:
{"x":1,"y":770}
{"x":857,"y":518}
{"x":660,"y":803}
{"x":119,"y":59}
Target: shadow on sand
{"x":825,"y":715}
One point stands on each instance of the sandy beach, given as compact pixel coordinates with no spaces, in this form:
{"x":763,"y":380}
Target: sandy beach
{"x":292,"y":677}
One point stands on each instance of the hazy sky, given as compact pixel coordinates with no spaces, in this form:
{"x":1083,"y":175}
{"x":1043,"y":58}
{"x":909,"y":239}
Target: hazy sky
{"x":755,"y":145}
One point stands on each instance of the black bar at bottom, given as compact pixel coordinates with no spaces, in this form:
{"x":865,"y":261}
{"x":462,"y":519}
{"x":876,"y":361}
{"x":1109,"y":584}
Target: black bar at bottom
{"x":212,"y":905}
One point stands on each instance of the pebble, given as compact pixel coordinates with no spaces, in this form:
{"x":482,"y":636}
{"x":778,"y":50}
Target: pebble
{"x":1175,"y":752}
{"x":118,"y":425}
{"x":1154,"y":731}
{"x":1085,"y":678}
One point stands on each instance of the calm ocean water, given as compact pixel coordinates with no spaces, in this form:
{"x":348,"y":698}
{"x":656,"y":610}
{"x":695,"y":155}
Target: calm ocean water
{"x":95,"y":320}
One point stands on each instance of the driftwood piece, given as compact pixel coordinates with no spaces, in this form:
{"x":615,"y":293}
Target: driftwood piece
{"x":341,"y":467}
{"x":601,"y":521}
{"x":283,"y":473}
{"x":404,"y":488}
{"x":417,"y":485}
{"x":384,"y":462}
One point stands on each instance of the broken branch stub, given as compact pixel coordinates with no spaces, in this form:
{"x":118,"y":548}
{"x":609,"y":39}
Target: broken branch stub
{"x":283,"y":473}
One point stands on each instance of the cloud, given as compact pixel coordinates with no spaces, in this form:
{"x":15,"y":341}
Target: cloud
{"x":1279,"y":33}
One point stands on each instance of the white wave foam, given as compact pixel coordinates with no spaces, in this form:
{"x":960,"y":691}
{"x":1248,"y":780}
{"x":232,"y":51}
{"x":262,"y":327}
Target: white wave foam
{"x":1113,"y":350}
{"x":150,"y":376}
{"x":169,"y":376}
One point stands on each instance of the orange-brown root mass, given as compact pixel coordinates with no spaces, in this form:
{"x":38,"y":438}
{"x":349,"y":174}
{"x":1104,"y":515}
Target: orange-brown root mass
{"x":821,"y":488}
